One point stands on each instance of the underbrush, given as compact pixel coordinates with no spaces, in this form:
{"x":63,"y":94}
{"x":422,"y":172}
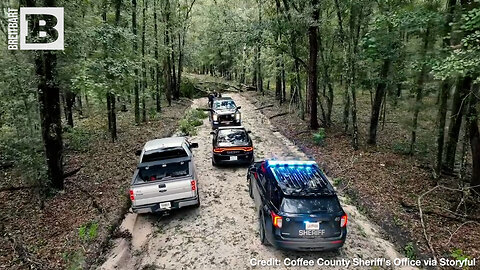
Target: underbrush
{"x":77,"y":139}
{"x":192,"y":119}
{"x":187,"y":89}
{"x":25,"y":153}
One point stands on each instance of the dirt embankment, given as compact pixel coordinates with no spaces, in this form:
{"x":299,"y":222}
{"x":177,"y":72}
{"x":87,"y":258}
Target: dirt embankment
{"x":94,"y":197}
{"x":222,"y":233}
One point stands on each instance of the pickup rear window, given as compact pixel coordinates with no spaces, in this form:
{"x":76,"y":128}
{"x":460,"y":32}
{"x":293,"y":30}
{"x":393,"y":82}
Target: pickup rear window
{"x":167,"y":153}
{"x":327,"y":204}
{"x":163,"y":171}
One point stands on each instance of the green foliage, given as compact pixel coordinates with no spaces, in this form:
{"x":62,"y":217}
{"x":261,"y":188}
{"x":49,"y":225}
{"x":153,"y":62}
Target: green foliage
{"x":463,"y":60}
{"x":409,"y":250}
{"x":337,"y":181}
{"x":88,"y":232}
{"x":24,"y":153}
{"x":192,"y":119}
{"x":77,"y":139}
{"x":74,"y":260}
{"x":458,"y":254}
{"x":319,"y":137}
{"x":187,"y":89}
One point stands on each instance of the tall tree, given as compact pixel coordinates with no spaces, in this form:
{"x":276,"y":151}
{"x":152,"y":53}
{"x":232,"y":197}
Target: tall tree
{"x":135,"y":49}
{"x":144,"y":62}
{"x":49,"y":108}
{"x":312,"y":65}
{"x":444,"y":88}
{"x":157,"y":59}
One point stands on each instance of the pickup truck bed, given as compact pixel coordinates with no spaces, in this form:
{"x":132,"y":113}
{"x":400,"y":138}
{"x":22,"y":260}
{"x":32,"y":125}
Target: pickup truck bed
{"x":166,"y":193}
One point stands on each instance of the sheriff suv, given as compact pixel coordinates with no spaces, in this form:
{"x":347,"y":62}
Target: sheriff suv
{"x":296,"y":205}
{"x":165,"y":177}
{"x":224,"y":111}
{"x":232,"y":145}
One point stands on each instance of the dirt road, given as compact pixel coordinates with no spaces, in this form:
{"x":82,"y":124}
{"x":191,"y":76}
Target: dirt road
{"x":222,"y":233}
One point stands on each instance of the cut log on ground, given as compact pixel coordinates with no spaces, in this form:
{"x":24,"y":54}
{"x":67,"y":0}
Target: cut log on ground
{"x":264,"y":107}
{"x":278,"y":115}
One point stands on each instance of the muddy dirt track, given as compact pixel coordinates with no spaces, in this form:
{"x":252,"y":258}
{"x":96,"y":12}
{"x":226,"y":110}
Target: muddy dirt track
{"x":222,"y":233}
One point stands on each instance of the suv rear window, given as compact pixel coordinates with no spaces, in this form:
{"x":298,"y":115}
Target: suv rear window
{"x":158,"y":172}
{"x":168,"y":153}
{"x":327,"y":204}
{"x":232,"y":137}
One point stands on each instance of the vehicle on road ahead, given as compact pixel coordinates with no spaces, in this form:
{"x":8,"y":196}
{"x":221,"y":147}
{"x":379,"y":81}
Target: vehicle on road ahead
{"x":297,"y":207}
{"x":165,"y":177}
{"x":224,"y":111}
{"x":232,"y":145}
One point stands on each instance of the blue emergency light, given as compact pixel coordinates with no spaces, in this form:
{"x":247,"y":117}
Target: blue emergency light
{"x":290,"y":163}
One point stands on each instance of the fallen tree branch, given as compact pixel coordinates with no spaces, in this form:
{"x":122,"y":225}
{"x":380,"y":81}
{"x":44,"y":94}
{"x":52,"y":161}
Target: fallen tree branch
{"x":277,"y":115}
{"x":463,"y":224}
{"x":455,"y":217}
{"x":419,"y":202}
{"x":264,"y":107}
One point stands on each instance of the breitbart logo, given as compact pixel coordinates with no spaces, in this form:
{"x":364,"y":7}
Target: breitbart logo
{"x":40,"y":28}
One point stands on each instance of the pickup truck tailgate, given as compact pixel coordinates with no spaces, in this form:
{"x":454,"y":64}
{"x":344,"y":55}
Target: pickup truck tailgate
{"x":163,"y":191}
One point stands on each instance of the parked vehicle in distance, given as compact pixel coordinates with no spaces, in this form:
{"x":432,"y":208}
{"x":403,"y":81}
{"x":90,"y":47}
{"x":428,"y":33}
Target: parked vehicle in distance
{"x":224,"y":111}
{"x":296,"y":205}
{"x":232,"y":145}
{"x":165,"y":177}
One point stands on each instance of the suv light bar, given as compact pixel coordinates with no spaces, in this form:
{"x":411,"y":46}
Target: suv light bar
{"x":290,"y":163}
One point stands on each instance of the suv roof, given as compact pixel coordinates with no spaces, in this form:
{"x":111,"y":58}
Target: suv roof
{"x":300,"y":178}
{"x":164,"y":143}
{"x":223,"y":98}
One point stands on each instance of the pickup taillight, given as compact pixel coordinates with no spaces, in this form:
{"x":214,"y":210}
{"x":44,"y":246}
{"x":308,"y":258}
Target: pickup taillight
{"x":193,"y":184}
{"x":132,"y":197}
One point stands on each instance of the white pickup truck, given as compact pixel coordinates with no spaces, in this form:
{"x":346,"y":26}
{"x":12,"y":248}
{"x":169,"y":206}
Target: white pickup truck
{"x":165,"y":177}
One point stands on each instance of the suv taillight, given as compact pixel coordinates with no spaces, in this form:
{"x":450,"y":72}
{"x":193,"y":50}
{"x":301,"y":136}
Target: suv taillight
{"x":276,"y":220}
{"x":132,"y":197}
{"x":193,"y":184}
{"x":343,"y":221}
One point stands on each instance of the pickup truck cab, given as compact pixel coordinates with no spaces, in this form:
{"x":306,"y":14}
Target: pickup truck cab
{"x":224,"y":112}
{"x":165,"y":177}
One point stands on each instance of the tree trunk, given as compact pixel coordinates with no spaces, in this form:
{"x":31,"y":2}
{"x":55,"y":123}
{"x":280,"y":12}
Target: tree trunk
{"x":144,"y":63}
{"x":157,"y":65}
{"x":79,"y":103}
{"x":167,"y":64}
{"x":69,"y":102}
{"x":461,"y":88}
{"x":135,"y":49}
{"x":377,"y":101}
{"x":312,"y":66}
{"x":419,"y":90}
{"x":474,"y":134}
{"x":444,"y":90}
{"x":49,"y":108}
{"x":327,"y":83}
